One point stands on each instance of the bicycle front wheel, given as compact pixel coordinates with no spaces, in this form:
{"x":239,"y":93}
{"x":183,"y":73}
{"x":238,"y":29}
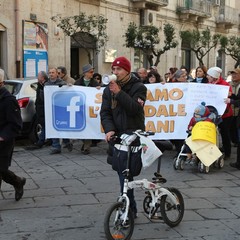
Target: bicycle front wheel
{"x":114,"y":225}
{"x":172,"y":214}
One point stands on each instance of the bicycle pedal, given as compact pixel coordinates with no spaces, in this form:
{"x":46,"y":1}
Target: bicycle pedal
{"x":159,"y":180}
{"x":156,"y":174}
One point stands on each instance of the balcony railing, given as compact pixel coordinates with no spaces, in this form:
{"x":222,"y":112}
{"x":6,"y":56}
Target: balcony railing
{"x":159,"y":2}
{"x":227,"y":17}
{"x":201,"y":8}
{"x":150,"y":3}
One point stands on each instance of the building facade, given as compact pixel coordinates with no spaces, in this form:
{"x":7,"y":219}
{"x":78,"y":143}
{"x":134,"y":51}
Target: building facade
{"x":30,"y":41}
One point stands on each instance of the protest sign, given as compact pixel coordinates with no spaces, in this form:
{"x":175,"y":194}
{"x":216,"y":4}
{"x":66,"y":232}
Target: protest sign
{"x":74,"y":111}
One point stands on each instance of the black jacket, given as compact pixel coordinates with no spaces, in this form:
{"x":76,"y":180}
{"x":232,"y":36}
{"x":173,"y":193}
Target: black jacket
{"x":123,"y":113}
{"x":80,"y":82}
{"x":39,"y":104}
{"x":10,"y":115}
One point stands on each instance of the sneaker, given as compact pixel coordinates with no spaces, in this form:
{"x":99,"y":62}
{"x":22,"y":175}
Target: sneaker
{"x":235,"y":165}
{"x":55,"y":151}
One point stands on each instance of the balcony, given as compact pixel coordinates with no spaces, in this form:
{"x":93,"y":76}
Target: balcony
{"x":194,"y":11}
{"x":149,"y":4}
{"x":227,"y":18}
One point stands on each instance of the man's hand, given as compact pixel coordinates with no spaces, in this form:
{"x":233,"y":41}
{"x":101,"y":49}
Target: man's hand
{"x":114,"y":87}
{"x":109,"y":135}
{"x":227,"y":100}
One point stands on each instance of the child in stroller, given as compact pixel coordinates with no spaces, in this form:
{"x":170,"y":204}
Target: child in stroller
{"x":201,"y":113}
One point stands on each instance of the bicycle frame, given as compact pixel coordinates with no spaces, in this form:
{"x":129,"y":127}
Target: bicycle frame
{"x":154,"y":189}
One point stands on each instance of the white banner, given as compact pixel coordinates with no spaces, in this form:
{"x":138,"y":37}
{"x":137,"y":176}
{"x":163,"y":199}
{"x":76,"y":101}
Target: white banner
{"x":74,"y":111}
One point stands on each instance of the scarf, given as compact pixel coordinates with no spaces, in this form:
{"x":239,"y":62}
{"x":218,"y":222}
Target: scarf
{"x":199,"y":80}
{"x":121,"y":84}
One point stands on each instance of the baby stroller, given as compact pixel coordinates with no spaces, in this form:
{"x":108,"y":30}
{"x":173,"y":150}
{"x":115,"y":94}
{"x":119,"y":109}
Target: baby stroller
{"x":204,"y":153}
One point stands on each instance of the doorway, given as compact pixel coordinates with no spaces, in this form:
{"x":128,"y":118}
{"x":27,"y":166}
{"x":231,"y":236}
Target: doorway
{"x":75,"y":63}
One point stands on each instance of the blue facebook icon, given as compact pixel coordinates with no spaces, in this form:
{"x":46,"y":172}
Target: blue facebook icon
{"x":69,"y":111}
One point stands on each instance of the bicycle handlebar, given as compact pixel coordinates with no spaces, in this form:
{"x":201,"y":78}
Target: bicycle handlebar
{"x":144,"y":133}
{"x":140,"y":132}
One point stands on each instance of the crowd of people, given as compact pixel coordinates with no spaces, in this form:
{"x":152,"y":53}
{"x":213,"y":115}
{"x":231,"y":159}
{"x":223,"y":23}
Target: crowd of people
{"x":228,"y":127}
{"x":58,"y":76}
{"x":122,"y":110}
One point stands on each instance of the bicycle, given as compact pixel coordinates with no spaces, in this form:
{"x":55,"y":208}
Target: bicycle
{"x":119,"y":220}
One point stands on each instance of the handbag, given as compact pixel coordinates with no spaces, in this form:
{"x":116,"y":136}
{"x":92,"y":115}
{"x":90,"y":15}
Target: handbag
{"x":150,"y":152}
{"x":119,"y":159}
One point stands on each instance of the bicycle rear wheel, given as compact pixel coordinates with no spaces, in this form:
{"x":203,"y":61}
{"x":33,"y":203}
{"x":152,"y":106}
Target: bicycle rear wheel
{"x":113,"y":223}
{"x":172,"y":214}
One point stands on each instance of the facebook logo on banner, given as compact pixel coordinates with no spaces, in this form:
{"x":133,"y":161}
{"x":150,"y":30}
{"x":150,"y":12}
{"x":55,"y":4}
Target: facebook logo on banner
{"x":69,"y":112}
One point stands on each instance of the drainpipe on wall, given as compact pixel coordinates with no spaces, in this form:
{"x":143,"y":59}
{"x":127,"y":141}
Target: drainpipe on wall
{"x":17,"y":39}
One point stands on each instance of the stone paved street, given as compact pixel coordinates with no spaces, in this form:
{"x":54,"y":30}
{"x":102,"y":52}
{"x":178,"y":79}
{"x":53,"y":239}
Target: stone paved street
{"x":66,"y":197}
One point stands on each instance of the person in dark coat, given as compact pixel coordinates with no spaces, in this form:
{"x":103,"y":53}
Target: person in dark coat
{"x":10,"y":125}
{"x":39,"y":107}
{"x":122,"y":109}
{"x":87,"y":80}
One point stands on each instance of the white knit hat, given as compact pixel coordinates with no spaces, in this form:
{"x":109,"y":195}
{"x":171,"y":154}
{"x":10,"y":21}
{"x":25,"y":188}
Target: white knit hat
{"x":218,"y":69}
{"x":214,"y":72}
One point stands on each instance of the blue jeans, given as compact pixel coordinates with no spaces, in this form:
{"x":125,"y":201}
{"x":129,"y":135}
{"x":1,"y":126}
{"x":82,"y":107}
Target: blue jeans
{"x":130,"y":192}
{"x":56,"y":143}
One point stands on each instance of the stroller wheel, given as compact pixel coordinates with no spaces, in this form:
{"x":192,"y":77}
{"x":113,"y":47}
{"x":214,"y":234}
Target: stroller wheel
{"x":175,"y":165}
{"x":220,"y":162}
{"x":181,"y":163}
{"x":178,"y":163}
{"x":202,"y":168}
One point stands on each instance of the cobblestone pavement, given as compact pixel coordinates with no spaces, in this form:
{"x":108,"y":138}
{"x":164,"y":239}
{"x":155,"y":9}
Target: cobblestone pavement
{"x":66,"y":197}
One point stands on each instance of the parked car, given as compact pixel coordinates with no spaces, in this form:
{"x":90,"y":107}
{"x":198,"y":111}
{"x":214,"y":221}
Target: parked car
{"x":25,"y":92}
